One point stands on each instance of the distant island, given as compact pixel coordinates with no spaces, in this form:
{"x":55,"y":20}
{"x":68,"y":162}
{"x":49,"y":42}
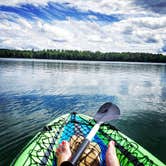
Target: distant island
{"x":83,"y":55}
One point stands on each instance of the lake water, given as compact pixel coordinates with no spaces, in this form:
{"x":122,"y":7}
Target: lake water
{"x":34,"y":92}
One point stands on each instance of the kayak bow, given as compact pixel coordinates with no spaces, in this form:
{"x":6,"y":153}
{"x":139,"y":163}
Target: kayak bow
{"x":40,"y":150}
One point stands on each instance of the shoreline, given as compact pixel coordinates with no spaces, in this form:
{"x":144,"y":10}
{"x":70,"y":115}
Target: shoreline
{"x":75,"y":55}
{"x":80,"y":61}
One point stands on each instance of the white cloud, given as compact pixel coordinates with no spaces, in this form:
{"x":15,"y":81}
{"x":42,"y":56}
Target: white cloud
{"x":83,"y":35}
{"x":18,"y":2}
{"x":138,"y":31}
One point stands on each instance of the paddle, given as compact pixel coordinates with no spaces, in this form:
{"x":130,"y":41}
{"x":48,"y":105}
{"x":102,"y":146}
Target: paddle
{"x":106,"y":112}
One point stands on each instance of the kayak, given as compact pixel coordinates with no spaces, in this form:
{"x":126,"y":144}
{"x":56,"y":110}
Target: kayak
{"x":41,"y":149}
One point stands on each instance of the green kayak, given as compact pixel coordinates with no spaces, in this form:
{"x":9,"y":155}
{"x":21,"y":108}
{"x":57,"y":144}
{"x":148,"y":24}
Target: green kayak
{"x":41,"y":149}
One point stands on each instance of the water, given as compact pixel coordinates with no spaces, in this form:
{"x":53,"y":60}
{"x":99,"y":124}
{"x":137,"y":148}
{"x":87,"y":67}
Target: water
{"x":34,"y":92}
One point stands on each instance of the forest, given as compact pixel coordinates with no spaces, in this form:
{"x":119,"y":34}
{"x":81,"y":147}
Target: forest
{"x":82,"y":55}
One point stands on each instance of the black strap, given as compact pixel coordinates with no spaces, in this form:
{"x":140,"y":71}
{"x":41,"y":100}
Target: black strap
{"x":67,"y":163}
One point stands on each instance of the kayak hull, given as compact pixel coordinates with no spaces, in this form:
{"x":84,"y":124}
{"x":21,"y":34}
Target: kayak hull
{"x":41,"y":149}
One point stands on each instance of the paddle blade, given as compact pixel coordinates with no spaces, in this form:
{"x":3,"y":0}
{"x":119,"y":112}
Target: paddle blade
{"x":107,"y":112}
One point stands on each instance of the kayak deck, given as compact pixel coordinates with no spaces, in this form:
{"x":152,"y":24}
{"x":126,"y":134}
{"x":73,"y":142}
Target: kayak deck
{"x":41,"y":149}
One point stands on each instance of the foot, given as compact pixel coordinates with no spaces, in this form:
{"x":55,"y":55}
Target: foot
{"x":111,"y":158}
{"x":63,"y":152}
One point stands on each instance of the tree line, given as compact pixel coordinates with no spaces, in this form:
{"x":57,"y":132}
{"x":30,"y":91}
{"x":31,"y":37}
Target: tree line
{"x":83,"y":55}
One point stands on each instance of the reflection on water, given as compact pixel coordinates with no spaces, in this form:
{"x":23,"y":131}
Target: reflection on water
{"x":33,"y":92}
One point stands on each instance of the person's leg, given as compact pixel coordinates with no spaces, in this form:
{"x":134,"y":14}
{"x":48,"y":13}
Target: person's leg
{"x":63,"y":152}
{"x":111,"y":157}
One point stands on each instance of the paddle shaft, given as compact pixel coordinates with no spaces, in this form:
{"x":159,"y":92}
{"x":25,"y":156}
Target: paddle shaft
{"x":84,"y":144}
{"x":82,"y":147}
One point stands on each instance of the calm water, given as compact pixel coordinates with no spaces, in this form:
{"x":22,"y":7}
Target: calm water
{"x":34,"y":92}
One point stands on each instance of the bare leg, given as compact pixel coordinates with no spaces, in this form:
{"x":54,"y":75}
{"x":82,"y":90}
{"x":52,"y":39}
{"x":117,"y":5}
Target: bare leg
{"x":111,"y":158}
{"x":63,"y":152}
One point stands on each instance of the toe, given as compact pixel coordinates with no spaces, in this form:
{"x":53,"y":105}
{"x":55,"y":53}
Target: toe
{"x":111,"y":144}
{"x":111,"y":148}
{"x":57,"y":151}
{"x":65,"y":146}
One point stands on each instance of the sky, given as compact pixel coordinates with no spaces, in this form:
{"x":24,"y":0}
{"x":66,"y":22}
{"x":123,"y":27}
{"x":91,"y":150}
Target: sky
{"x":95,"y":25}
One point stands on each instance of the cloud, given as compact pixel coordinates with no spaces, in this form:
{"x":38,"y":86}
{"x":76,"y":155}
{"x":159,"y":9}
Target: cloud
{"x":96,"y":26}
{"x":158,"y":6}
{"x":18,"y":2}
{"x":81,"y":35}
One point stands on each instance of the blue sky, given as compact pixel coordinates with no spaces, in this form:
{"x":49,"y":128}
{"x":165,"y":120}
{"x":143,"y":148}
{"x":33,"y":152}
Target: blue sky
{"x":105,"y":25}
{"x":56,"y":11}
